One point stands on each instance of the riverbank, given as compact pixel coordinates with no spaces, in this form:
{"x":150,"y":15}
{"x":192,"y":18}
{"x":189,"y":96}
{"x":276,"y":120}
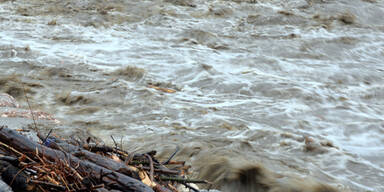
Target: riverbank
{"x":34,"y":155}
{"x":33,"y":161}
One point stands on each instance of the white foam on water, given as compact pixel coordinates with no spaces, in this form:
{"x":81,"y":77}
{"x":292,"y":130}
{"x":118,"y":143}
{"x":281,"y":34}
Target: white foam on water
{"x":253,"y":75}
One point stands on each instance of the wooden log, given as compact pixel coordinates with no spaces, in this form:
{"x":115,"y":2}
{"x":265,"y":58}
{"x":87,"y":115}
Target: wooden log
{"x":56,"y":143}
{"x":112,"y":179}
{"x":86,"y":152}
{"x":99,"y":160}
{"x":13,"y":177}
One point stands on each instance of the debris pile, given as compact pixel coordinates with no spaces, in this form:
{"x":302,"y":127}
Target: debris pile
{"x":55,"y":164}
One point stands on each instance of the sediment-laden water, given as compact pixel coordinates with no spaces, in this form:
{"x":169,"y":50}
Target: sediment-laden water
{"x":292,"y":89}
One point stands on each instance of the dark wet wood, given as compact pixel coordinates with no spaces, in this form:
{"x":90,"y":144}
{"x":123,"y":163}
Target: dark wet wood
{"x":98,"y":159}
{"x":112,"y":179}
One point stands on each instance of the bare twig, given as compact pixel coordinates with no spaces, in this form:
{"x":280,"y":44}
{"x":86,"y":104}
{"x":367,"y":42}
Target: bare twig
{"x":190,"y":187}
{"x":59,"y":187}
{"x":130,"y":157}
{"x":29,"y":106}
{"x":46,"y":137}
{"x":170,"y":158}
{"x":150,"y":166}
{"x":114,"y":141}
{"x":166,"y":171}
{"x":16,"y":151}
{"x":121,"y":143}
{"x":14,"y":177}
{"x":183,"y":180}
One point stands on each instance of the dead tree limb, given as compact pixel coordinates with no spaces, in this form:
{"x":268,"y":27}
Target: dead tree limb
{"x":119,"y":181}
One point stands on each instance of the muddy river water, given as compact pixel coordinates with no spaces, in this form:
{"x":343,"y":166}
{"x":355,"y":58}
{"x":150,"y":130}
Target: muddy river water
{"x":293,"y":86}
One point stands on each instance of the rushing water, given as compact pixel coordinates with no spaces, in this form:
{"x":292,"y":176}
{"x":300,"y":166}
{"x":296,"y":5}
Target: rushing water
{"x":294,"y":86}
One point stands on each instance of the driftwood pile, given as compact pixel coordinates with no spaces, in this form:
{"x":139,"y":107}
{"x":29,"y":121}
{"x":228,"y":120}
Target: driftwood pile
{"x":54,"y":164}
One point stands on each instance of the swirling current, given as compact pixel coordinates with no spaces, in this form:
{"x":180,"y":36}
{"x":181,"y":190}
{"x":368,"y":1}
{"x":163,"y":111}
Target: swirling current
{"x":292,"y":90}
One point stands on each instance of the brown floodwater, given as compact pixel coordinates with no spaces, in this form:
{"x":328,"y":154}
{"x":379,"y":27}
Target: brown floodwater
{"x":261,"y":95}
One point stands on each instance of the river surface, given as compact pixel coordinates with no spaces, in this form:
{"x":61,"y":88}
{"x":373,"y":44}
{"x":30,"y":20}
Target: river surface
{"x":294,"y":86}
